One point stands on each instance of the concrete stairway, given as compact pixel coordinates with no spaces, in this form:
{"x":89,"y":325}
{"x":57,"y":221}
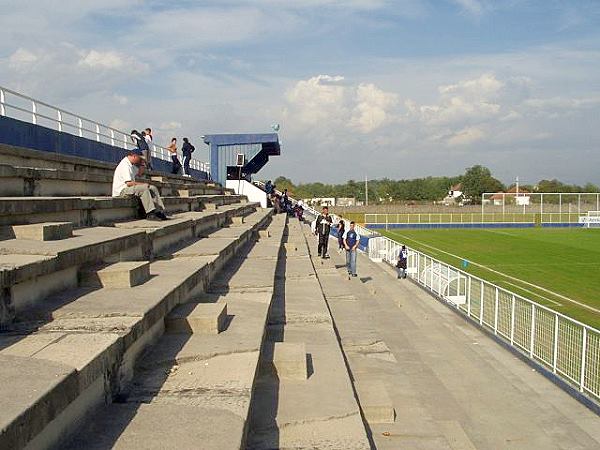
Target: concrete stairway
{"x":193,"y":389}
{"x":304,"y":396}
{"x":78,"y":315}
{"x":26,"y":172}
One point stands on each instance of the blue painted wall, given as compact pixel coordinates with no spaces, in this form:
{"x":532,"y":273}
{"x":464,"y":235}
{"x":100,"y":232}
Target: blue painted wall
{"x":23,"y":134}
{"x":428,"y":226}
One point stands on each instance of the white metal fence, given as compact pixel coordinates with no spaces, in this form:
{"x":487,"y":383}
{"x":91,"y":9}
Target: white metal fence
{"x":22,"y":107}
{"x":566,"y":347}
{"x":388,"y":219}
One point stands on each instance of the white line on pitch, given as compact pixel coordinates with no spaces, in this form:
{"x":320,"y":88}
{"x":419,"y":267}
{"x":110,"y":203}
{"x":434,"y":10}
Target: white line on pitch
{"x":548,"y":291}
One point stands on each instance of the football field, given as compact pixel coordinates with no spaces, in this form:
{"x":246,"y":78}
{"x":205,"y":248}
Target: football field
{"x":559,"y":268}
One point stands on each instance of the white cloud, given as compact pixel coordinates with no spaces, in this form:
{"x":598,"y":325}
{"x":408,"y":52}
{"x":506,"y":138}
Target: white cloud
{"x":466,"y":136}
{"x":102,"y":60}
{"x":22,"y":59}
{"x":121,"y":99}
{"x":170,"y":126}
{"x":330,"y":103}
{"x":372,"y":108}
{"x":473,"y":7}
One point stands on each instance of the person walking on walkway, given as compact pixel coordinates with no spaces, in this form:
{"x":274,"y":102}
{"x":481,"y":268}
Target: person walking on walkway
{"x":187,"y":149}
{"x":341,"y":229}
{"x":351,"y":241}
{"x":323,"y":228}
{"x":402,"y":262}
{"x":124,"y":185}
{"x":173,"y":151}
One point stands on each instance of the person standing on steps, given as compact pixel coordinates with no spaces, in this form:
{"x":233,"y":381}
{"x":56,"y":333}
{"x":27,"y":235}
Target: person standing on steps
{"x":187,"y":149}
{"x":341,"y":229}
{"x":351,"y":241}
{"x":323,"y":227}
{"x":402,"y":262}
{"x":176,"y":165}
{"x":148,"y":155}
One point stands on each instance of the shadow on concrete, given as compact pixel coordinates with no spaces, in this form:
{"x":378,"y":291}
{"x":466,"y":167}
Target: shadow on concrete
{"x":103,"y":427}
{"x":263,"y":432}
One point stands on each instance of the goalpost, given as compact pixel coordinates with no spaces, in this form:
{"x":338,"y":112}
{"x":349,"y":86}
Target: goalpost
{"x":592,"y":220}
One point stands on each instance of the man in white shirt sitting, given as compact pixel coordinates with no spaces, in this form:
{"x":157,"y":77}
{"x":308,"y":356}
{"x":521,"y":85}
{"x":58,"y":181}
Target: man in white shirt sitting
{"x":124,"y":185}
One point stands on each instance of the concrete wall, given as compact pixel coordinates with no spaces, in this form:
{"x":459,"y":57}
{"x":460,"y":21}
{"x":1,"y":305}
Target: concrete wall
{"x":253,"y":193}
{"x":24,"y":134}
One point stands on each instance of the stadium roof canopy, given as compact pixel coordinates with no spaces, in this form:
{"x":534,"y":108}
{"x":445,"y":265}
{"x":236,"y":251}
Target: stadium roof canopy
{"x":225,"y":148}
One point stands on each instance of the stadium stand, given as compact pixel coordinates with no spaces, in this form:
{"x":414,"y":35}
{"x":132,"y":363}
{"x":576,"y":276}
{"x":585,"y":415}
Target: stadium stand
{"x":86,"y":285}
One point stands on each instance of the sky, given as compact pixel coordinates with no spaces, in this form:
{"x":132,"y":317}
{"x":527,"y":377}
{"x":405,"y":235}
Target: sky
{"x":376,"y":88}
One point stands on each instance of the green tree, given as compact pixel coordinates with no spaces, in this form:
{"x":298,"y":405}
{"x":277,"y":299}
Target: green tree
{"x":477,"y":180}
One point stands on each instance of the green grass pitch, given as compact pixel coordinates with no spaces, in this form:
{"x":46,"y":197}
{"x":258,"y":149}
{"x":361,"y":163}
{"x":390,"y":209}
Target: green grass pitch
{"x":558,"y":268}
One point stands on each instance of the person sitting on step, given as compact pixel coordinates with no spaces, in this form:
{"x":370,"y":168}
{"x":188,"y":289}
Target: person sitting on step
{"x":124,"y":185}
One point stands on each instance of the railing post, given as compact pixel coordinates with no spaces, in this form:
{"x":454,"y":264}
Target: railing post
{"x":2,"y":101}
{"x":112,"y":137}
{"x":512,"y":321}
{"x":555,"y":346}
{"x":97,"y":133}
{"x":125,"y":141}
{"x":33,"y":113}
{"x":469,"y":296}
{"x":496,"y":313}
{"x":80,"y":126}
{"x":481,"y":305}
{"x":532,"y":339}
{"x":59,"y":116}
{"x":583,"y":358}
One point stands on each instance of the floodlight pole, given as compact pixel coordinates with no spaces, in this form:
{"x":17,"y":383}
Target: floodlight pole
{"x":366,"y":191}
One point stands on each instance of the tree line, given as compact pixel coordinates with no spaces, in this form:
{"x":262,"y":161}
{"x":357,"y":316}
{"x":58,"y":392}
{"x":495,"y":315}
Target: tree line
{"x":475,"y":181}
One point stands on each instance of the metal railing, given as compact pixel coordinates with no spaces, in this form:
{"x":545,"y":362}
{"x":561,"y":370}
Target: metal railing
{"x":388,"y":219}
{"x":564,"y":346}
{"x":22,"y":107}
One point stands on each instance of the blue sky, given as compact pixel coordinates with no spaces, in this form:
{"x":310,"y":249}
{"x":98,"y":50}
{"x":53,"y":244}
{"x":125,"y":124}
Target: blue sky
{"x":382,"y":88}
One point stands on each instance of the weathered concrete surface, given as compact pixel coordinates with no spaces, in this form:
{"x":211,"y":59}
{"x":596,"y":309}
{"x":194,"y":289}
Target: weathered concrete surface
{"x":201,"y":318}
{"x":44,"y":231}
{"x":203,"y":382}
{"x":375,"y":402}
{"x":22,"y":415}
{"x":98,"y":335}
{"x":451,"y":385}
{"x":317,"y":412}
{"x":289,"y":360}
{"x":170,"y":426}
{"x":118,"y":275}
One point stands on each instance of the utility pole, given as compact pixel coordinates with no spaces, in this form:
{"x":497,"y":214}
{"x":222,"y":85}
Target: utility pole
{"x":366,"y":191}
{"x":517,"y":185}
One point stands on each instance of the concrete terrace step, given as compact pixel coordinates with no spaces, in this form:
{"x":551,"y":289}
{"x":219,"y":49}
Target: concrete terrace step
{"x":39,"y":182}
{"x":203,"y":382}
{"x":308,"y":402}
{"x":43,"y":160}
{"x":91,"y":211}
{"x":89,"y":342}
{"x":31,"y":270}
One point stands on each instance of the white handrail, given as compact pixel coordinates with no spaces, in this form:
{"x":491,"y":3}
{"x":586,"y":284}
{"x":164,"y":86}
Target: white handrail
{"x":97,"y":130}
{"x":565,"y":346}
{"x":545,"y":336}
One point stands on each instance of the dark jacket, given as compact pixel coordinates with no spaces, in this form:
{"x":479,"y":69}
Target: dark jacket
{"x":187,"y":149}
{"x":324,"y":225}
